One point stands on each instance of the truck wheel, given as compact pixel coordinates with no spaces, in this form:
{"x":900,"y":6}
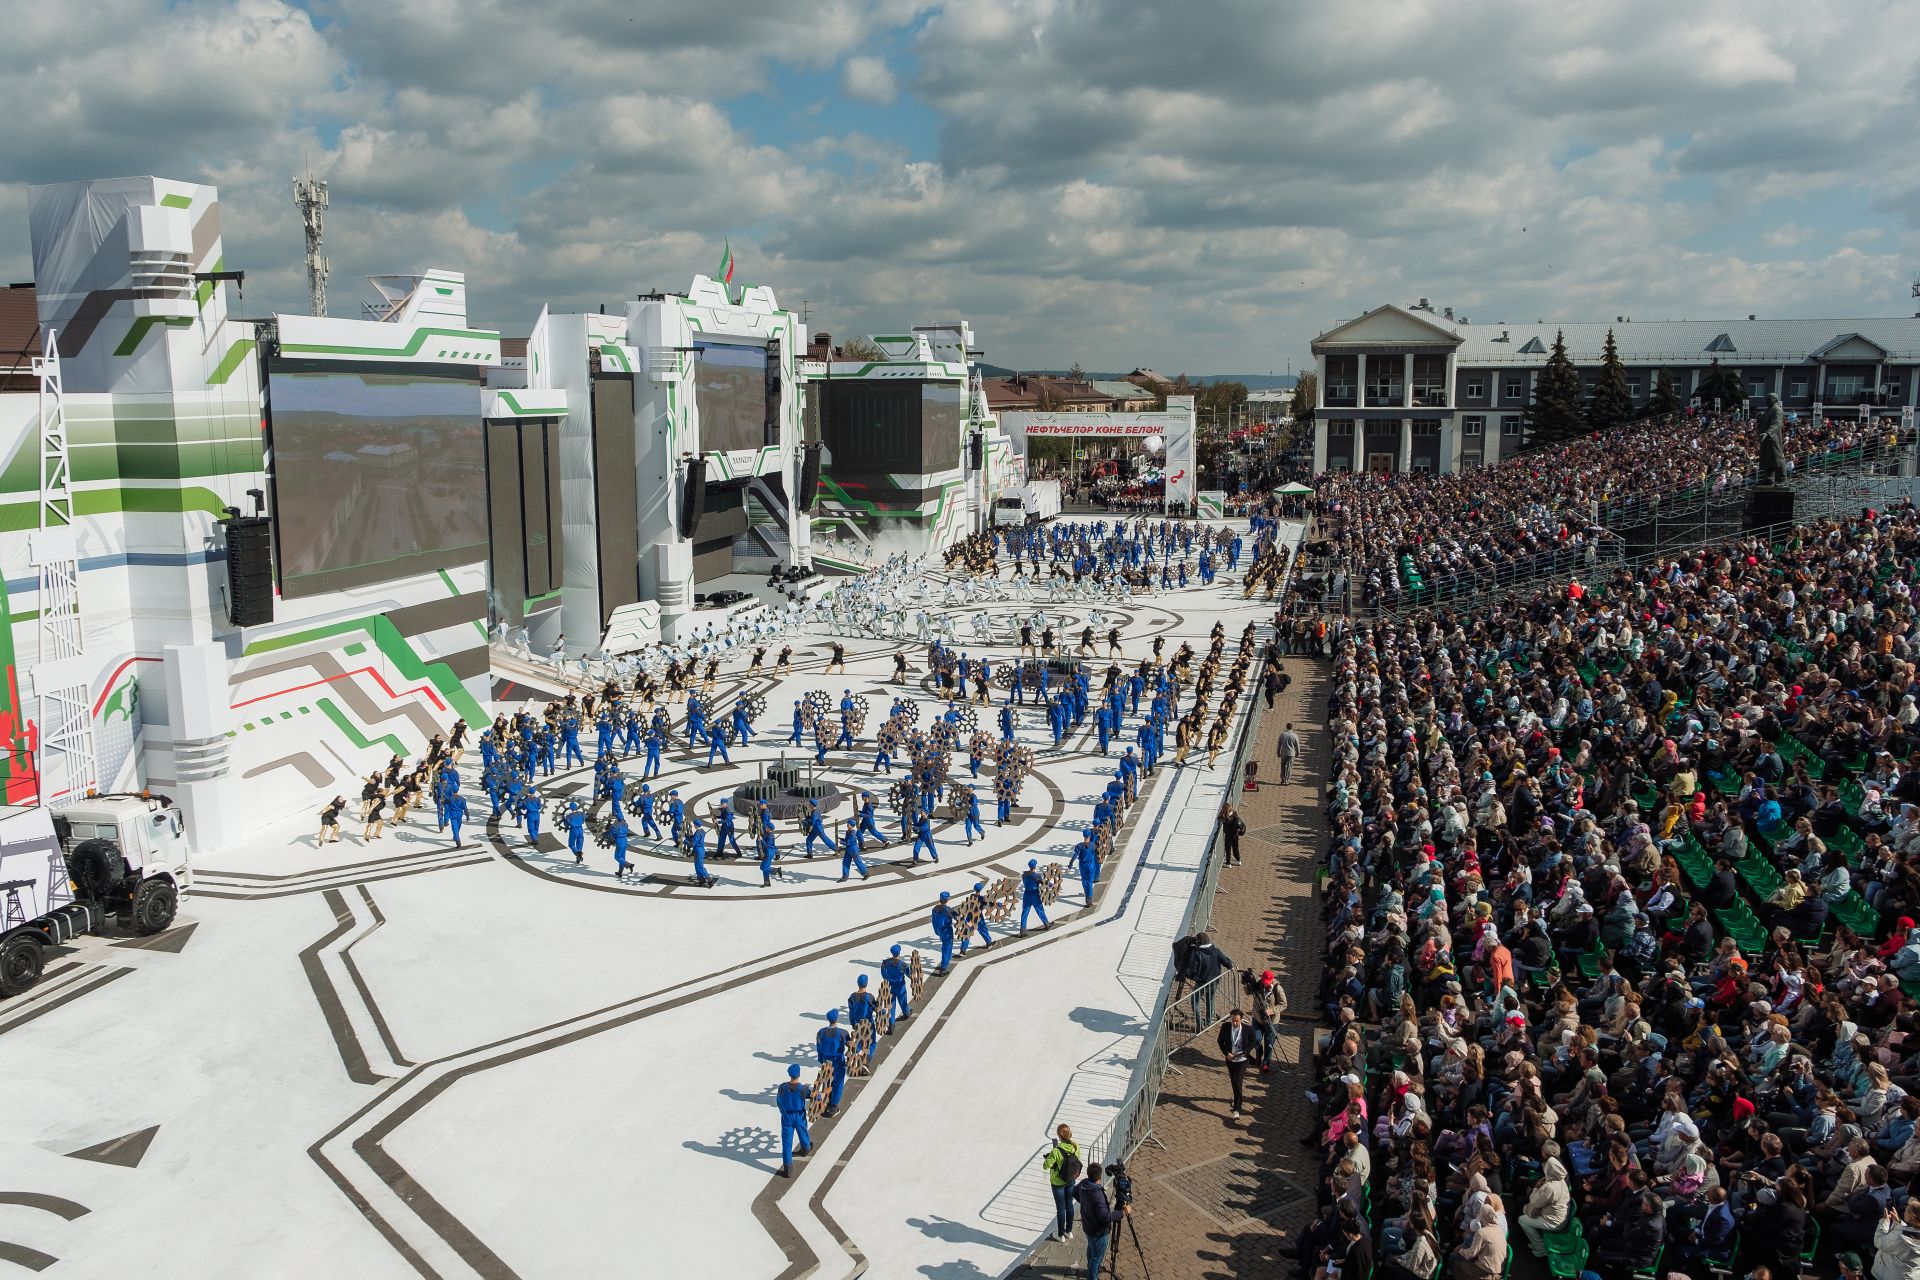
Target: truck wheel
{"x":154,"y":904}
{"x":21,"y":960}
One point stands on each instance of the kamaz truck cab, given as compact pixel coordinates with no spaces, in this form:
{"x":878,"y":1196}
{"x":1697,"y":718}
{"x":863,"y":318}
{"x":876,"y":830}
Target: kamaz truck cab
{"x":70,"y":871}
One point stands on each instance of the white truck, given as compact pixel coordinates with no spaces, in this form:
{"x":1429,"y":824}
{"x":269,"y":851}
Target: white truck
{"x":70,"y":871}
{"x":1031,"y":503}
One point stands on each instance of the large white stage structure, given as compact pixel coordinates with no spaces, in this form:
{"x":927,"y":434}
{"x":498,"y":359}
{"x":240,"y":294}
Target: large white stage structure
{"x":911,"y":458}
{"x":1173,"y":426}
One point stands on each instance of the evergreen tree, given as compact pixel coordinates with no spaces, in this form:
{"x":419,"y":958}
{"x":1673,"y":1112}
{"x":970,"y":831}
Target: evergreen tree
{"x":1554,"y":414}
{"x":1666,"y":397}
{"x":1722,"y":384}
{"x":1611,"y":403}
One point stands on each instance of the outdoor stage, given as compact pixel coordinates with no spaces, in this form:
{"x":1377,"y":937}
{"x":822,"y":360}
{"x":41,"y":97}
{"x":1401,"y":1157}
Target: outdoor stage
{"x":406,"y":1058}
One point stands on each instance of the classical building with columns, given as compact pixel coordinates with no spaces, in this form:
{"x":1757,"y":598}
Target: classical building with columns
{"x":1412,"y":389}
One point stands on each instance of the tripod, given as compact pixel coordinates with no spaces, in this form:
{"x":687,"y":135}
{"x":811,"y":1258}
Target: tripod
{"x":1113,"y":1255}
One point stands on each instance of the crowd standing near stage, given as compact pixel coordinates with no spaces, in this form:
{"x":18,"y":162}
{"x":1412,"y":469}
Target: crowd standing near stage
{"x":1621,"y":889}
{"x":1545,"y":510}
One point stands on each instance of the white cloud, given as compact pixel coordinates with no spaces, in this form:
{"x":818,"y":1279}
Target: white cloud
{"x":868,"y":79}
{"x":1190,"y":186}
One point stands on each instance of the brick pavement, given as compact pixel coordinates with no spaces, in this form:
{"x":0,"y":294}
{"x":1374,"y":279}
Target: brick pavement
{"x":1217,"y":1198}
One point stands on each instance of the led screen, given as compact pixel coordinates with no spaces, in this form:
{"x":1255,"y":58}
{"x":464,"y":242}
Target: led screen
{"x":941,"y":409}
{"x":377,"y":474}
{"x":730,"y":391}
{"x":904,"y":427}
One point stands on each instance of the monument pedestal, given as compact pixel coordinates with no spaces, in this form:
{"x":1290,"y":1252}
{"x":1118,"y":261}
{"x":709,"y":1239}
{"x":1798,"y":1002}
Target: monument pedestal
{"x":1770,"y":504}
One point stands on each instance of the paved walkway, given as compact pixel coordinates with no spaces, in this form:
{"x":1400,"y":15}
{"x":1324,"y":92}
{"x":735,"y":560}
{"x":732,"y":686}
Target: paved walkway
{"x":1216,"y":1198}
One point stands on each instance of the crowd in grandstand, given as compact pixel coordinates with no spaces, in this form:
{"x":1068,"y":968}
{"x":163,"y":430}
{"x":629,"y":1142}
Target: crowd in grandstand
{"x":1544,"y":510}
{"x":1621,"y":897}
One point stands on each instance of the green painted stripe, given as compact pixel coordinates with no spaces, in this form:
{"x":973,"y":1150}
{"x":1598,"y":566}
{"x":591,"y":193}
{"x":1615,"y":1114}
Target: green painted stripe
{"x":420,"y":337}
{"x":615,"y":354}
{"x":176,"y":201}
{"x":445,"y":293}
{"x":229,"y":362}
{"x":394,"y":647}
{"x":352,"y":730}
{"x":137,"y":333}
{"x":205,"y":291}
{"x":16,"y":517}
{"x":539,"y":599}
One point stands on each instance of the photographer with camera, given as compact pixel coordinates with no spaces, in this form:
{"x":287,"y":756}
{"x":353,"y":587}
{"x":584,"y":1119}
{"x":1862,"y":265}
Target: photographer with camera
{"x":1097,"y":1213}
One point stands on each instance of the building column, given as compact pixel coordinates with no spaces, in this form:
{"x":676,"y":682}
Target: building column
{"x":1406,"y":441}
{"x":1360,"y":380}
{"x":1821,"y":394}
{"x":1406,"y":385}
{"x":1780,"y":382}
{"x":1450,"y":443}
{"x":1320,"y":429}
{"x":1320,"y":382}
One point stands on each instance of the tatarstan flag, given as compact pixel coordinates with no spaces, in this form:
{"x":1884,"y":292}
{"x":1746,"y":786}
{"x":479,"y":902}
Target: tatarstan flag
{"x":726,"y":263}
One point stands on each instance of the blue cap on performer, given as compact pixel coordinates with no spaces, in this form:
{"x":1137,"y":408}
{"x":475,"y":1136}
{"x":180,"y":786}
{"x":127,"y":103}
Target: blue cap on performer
{"x":1032,"y":862}
{"x":943,"y":895}
{"x":833,"y":1016}
{"x":896,"y":948}
{"x":863,"y":980}
{"x":793,"y":1071}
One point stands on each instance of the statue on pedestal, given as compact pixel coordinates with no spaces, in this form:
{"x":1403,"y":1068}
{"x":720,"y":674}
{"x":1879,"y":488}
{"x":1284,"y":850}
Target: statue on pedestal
{"x":1773,"y":443}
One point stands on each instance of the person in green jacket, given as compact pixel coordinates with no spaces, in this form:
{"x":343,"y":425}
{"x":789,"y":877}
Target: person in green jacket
{"x":1062,"y":1164}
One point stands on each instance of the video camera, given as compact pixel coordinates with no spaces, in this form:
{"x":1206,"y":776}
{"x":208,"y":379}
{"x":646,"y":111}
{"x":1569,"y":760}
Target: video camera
{"x":1122,"y":1185}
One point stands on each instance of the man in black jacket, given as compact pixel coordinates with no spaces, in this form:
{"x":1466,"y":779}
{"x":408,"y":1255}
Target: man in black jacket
{"x":1097,"y":1215}
{"x":1203,"y":964}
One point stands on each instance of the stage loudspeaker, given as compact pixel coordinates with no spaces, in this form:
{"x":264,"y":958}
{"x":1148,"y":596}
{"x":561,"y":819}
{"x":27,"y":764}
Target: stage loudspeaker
{"x":809,"y":486}
{"x":977,"y":452}
{"x":1769,"y":505}
{"x":693,"y":497}
{"x":249,"y":570}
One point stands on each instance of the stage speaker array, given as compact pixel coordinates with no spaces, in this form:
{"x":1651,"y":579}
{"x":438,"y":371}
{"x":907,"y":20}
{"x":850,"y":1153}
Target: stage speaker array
{"x":976,"y":452}
{"x":809,"y":486}
{"x":693,"y":497}
{"x":249,"y":570}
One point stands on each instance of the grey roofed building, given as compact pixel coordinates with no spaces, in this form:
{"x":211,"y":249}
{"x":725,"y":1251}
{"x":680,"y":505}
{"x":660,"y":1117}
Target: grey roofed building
{"x":1409,"y":389}
{"x":1124,"y":394}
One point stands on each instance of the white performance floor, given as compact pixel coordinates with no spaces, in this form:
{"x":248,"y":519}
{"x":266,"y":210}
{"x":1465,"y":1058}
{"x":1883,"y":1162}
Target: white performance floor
{"x":406,"y":1059}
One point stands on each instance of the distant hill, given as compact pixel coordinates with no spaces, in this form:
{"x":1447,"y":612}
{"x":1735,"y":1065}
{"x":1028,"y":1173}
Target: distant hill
{"x":1253,"y":381}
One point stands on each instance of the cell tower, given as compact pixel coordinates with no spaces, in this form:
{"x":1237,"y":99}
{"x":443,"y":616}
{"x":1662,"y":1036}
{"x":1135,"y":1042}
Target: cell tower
{"x":310,"y":197}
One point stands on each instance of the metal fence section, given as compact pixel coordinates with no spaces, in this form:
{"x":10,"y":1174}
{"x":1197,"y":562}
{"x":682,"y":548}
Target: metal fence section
{"x":1181,"y":1015}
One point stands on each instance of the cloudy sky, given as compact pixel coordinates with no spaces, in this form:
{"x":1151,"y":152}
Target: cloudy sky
{"x":1200,"y":186}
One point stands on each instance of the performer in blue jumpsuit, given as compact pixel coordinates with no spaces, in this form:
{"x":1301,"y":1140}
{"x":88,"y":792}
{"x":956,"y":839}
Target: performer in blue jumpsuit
{"x":656,"y":740}
{"x":850,"y":859}
{"x":648,"y":826}
{"x":697,"y":843}
{"x":617,"y":828}
{"x":769,"y":850}
{"x":576,"y":825}
{"x":1088,"y":859}
{"x":868,"y":827}
{"x":570,"y":740}
{"x":980,"y":898}
{"x":943,"y":930}
{"x":1030,"y":895}
{"x":831,"y":1045}
{"x":742,"y":726}
{"x":456,"y":814}
{"x":696,"y":721}
{"x":632,"y":731}
{"x":846,"y":719}
{"x":1103,"y":725}
{"x":817,"y":830}
{"x":860,"y":1003}
{"x":792,"y":1097}
{"x":726,"y":837}
{"x":923,"y":838}
{"x":894,"y":970}
{"x":717,"y":743}
{"x":797,"y":739}
{"x":530,"y":810}
{"x":973,"y":827}
{"x":676,"y":813}
{"x":603,"y":741}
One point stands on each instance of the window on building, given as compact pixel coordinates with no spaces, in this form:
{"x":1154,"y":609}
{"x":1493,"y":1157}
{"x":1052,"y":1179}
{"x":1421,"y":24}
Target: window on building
{"x":1797,"y":388}
{"x":1893,"y":388}
{"x":1845,"y":384}
{"x":1473,"y":426}
{"x":1633,"y":387}
{"x":1756,"y":389}
{"x":1510,"y":424}
{"x":1514,"y":388}
{"x":1476,"y":388}
{"x":1340,"y":427}
{"x":1425,"y":427}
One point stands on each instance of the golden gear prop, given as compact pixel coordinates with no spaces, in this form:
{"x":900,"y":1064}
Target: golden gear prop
{"x":860,"y":1051}
{"x":1001,"y":895}
{"x":821,"y":1091}
{"x":916,"y":976}
{"x":1050,"y":880}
